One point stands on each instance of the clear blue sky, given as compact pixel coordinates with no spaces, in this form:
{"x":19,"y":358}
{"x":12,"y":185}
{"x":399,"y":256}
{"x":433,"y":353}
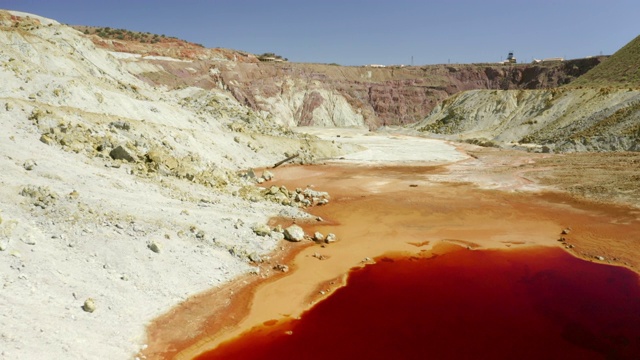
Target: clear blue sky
{"x":356,"y":32}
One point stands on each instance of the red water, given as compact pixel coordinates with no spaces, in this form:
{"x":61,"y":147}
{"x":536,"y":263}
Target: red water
{"x":462,"y":304}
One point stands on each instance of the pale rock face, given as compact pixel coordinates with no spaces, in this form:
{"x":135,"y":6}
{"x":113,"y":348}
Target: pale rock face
{"x":320,"y":107}
{"x":78,"y":223}
{"x":561,"y":120}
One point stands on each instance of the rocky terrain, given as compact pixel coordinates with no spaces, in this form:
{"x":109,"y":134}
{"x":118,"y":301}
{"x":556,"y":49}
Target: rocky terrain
{"x":296,"y":94}
{"x":556,"y":120}
{"x":130,"y":169}
{"x":330,"y":95}
{"x":121,"y":199}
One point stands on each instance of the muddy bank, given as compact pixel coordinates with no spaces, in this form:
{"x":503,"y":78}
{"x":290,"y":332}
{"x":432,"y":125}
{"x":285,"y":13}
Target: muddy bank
{"x":376,"y":210}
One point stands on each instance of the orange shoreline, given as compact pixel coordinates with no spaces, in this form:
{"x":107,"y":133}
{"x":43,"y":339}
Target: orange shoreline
{"x":377,"y":210}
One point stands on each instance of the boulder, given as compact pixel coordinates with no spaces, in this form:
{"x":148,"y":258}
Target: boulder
{"x":122,"y":125}
{"x":294,"y":233}
{"x":255,"y":257}
{"x":89,"y":305}
{"x":155,"y":247}
{"x":120,"y":153}
{"x":29,"y":165}
{"x":47,"y":140}
{"x":267,"y":175}
{"x":315,"y":194}
{"x":261,"y":229}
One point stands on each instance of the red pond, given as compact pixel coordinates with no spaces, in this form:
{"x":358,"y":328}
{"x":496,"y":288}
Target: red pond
{"x":518,"y":304}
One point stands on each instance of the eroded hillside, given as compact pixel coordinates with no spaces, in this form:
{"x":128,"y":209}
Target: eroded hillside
{"x":296,"y":94}
{"x":561,"y":120}
{"x":120,"y":199}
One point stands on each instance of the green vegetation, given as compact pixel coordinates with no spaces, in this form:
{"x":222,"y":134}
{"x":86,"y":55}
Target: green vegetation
{"x":621,"y":70}
{"x":447,"y":125}
{"x":126,"y":35}
{"x":269,"y":56}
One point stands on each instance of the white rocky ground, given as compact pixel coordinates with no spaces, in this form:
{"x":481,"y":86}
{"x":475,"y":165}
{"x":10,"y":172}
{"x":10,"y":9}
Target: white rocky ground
{"x":75,"y":223}
{"x":125,"y":194}
{"x":387,"y":147}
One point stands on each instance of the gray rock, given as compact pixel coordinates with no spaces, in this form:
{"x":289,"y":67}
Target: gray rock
{"x":255,"y":257}
{"x":267,"y":175}
{"x":317,"y":236}
{"x":29,"y":165}
{"x":261,"y":229}
{"x":89,"y":305}
{"x":281,"y":198}
{"x":155,"y":247}
{"x":331,"y":238}
{"x":315,"y":194}
{"x":600,"y":258}
{"x":281,"y":267}
{"x":120,"y":153}
{"x":294,"y":233}
{"x":47,"y":140}
{"x":277,"y":236}
{"x":122,"y":125}
{"x":305,"y":202}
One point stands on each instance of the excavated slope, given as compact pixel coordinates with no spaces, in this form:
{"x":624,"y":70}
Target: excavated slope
{"x":561,"y":120}
{"x":296,"y":94}
{"x":331,"y":95}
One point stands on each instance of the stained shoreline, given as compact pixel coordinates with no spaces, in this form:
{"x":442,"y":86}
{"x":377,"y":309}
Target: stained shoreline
{"x":421,"y":307}
{"x":365,"y":198}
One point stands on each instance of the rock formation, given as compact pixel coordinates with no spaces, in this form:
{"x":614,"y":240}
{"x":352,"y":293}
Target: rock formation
{"x":331,"y":95}
{"x":295,"y":94}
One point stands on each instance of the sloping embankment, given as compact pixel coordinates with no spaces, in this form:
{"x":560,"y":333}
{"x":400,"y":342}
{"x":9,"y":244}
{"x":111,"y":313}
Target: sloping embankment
{"x":560,"y":120}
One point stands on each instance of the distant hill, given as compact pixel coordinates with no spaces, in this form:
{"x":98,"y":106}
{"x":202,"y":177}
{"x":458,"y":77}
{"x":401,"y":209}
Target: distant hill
{"x":122,"y":34}
{"x":148,"y":44}
{"x":622,"y":69}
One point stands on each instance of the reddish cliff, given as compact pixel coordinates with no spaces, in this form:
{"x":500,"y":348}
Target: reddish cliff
{"x":386,"y":96}
{"x":331,"y":95}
